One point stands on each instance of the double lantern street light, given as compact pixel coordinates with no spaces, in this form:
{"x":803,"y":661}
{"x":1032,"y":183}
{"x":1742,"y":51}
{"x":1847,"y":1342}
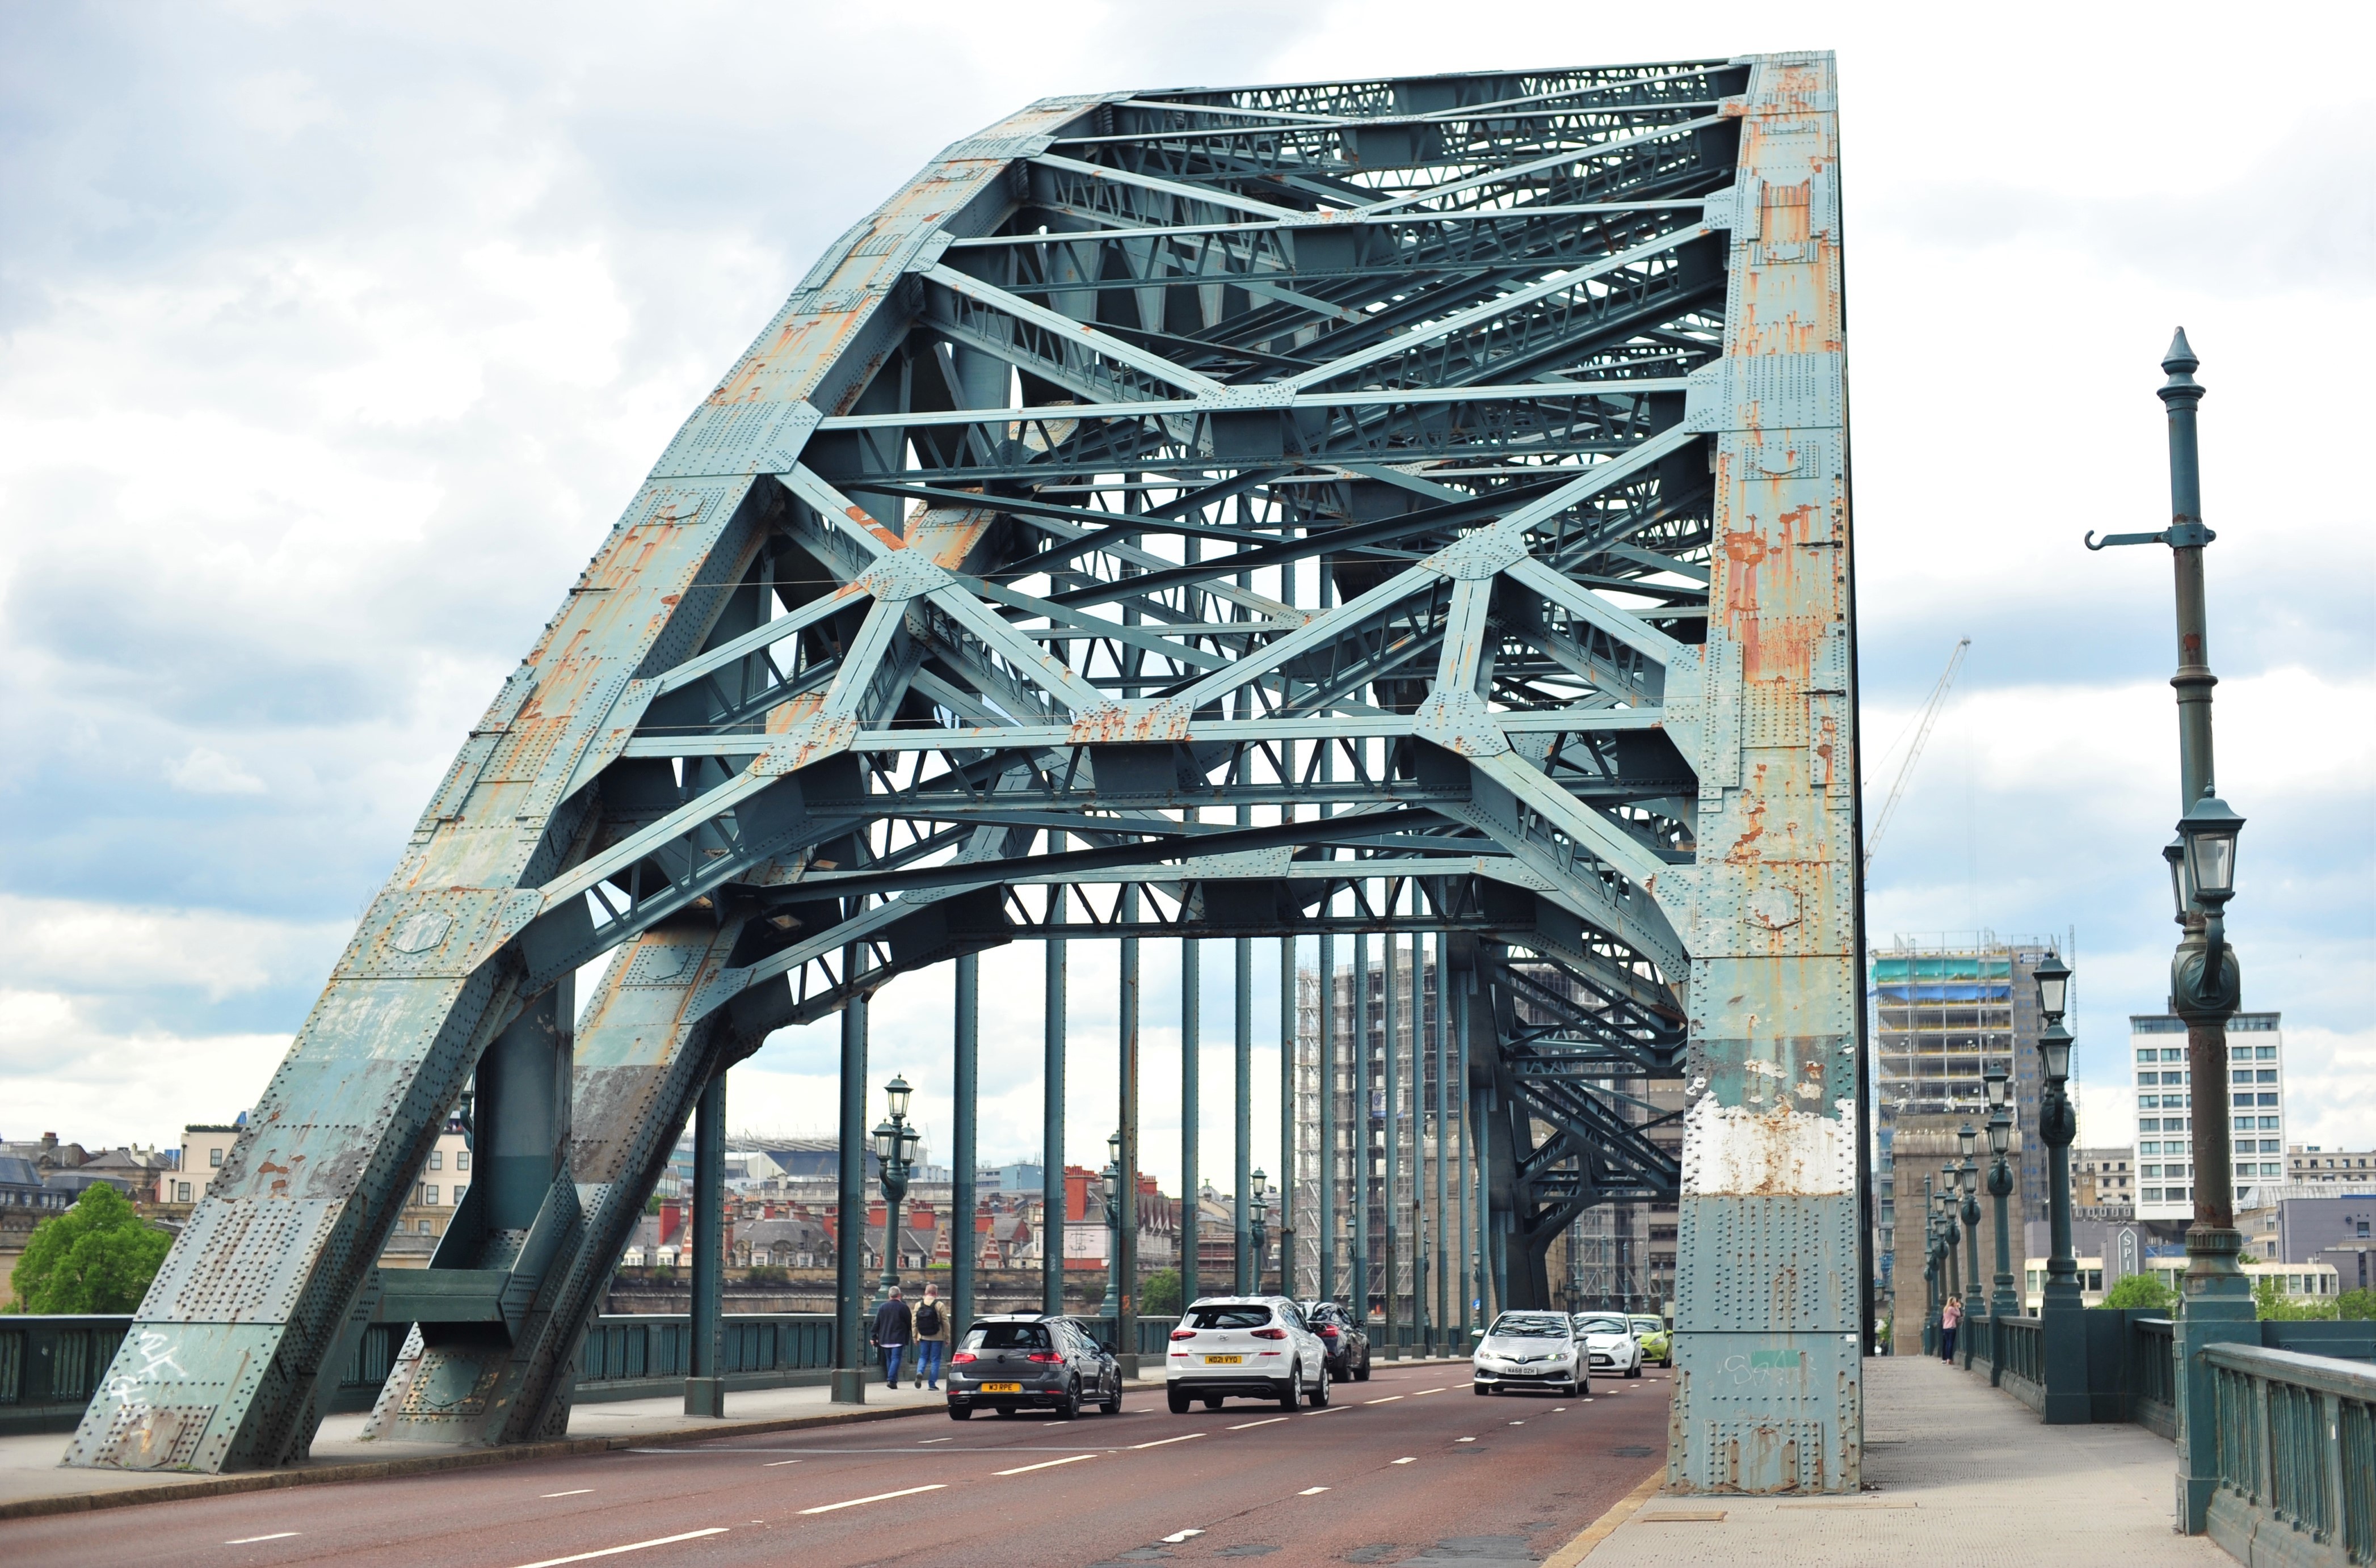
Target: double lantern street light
{"x":1258,"y":1225}
{"x":2002,"y":1302}
{"x":894,"y":1151}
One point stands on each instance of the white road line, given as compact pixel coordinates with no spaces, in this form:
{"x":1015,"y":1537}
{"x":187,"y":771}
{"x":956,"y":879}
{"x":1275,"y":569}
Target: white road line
{"x":1517,"y":1423}
{"x":1464,"y":1439}
{"x":878,"y":1497}
{"x":580,"y":1493}
{"x":772,"y":1464}
{"x":1412,"y":1460}
{"x":1426,"y":1391}
{"x":1176,"y":1536}
{"x":1312,"y":1492}
{"x":1324,"y":1410}
{"x":250,"y":1540}
{"x":631,"y":1546}
{"x":940,"y":1440}
{"x":1559,"y":1409}
{"x":1162,"y":1441}
{"x":1387,"y":1400}
{"x":1043,"y":1465}
{"x":1242,"y":1426}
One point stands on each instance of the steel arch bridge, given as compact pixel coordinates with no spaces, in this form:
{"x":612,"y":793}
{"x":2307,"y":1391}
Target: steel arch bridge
{"x":1332,"y":507}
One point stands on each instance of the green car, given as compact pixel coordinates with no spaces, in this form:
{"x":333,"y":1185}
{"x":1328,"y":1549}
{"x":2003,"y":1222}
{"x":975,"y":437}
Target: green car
{"x":1657,"y":1345}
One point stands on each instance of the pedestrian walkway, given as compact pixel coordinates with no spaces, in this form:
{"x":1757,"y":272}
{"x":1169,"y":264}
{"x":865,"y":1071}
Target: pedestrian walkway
{"x":1957,"y":1475}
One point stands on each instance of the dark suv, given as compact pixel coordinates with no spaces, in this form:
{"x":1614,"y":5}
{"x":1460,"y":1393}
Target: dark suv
{"x":1032,"y":1361}
{"x":1347,"y":1341}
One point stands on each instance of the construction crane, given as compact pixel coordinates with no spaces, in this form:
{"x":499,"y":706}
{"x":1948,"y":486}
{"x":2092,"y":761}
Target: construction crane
{"x":1906,"y":769}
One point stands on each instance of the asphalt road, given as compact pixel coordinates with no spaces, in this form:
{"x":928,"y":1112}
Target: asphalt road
{"x":1410,"y":1467}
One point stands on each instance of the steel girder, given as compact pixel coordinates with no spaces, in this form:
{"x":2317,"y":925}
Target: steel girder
{"x":1386,"y":505}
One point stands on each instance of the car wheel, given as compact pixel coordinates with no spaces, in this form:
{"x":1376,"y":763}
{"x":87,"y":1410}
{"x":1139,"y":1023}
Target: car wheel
{"x":1320,"y":1394}
{"x":1290,"y":1393}
{"x":1177,"y":1397}
{"x":1634,"y":1370}
{"x":1482,"y":1389}
{"x":1112,"y":1405}
{"x":1070,"y":1408}
{"x":1364,"y":1375}
{"x":960,"y":1412}
{"x":1213,"y":1402}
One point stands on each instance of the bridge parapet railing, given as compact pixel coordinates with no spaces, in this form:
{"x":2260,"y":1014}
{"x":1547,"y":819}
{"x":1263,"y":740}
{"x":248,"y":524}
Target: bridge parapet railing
{"x":637,"y":1355}
{"x":2296,"y":1457}
{"x":48,"y":1364}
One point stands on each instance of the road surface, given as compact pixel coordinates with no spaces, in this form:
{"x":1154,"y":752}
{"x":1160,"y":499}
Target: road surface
{"x":1408,"y":1467}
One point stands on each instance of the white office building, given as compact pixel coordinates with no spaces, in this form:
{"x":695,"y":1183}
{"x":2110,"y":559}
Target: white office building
{"x":2255,"y":1100}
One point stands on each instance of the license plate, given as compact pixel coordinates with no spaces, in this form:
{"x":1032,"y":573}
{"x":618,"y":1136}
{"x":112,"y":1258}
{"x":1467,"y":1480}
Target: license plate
{"x":1001,"y":1388}
{"x":1225,"y":1361}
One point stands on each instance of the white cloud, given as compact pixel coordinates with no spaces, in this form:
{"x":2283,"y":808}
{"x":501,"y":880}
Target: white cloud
{"x":207,"y":771}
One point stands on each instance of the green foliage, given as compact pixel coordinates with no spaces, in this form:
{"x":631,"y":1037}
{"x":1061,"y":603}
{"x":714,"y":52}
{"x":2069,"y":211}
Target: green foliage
{"x":652,"y":1204}
{"x":766,"y":1274}
{"x":1159,"y":1293}
{"x":97,"y":1256}
{"x":2269,"y":1300}
{"x":2358,"y":1305}
{"x":2140,"y":1293}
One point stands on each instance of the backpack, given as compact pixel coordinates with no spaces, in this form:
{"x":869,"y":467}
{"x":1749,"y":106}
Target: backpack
{"x":928,"y":1320}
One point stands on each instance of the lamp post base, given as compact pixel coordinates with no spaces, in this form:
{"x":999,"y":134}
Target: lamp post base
{"x":2219,"y":1311}
{"x":2062,"y":1325}
{"x":705,"y":1395}
{"x":849,"y":1386}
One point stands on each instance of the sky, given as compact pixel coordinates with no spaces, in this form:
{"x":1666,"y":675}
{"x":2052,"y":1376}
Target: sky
{"x":334,"y":337}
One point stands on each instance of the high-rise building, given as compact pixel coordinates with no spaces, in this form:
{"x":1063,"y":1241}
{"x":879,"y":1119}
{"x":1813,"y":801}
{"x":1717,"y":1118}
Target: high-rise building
{"x":2255,"y":1102}
{"x":1942,"y":1012}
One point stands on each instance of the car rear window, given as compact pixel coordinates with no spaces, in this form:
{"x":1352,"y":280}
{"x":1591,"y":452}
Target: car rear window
{"x":1649,"y":1325}
{"x":1601,"y":1326}
{"x":1530,"y":1325}
{"x":1252,"y":1316}
{"x":1006,"y":1337}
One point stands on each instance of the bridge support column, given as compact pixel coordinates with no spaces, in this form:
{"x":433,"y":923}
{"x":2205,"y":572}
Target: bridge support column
{"x":850,"y":1233}
{"x":705,"y":1386}
{"x":964,"y":1243}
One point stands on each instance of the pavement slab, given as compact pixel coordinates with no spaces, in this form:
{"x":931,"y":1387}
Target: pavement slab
{"x":1957,"y":1475}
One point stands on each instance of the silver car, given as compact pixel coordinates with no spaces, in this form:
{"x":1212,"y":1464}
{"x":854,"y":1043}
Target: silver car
{"x":1530,"y":1350}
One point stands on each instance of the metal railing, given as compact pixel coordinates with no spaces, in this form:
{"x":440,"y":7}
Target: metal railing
{"x":2017,"y":1357}
{"x":2151,"y":1364}
{"x":49,"y":1366}
{"x":639,"y":1355}
{"x":2296,"y":1457}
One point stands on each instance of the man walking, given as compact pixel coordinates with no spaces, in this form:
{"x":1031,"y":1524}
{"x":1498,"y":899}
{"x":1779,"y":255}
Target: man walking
{"x":932,"y":1338}
{"x":892,"y":1328}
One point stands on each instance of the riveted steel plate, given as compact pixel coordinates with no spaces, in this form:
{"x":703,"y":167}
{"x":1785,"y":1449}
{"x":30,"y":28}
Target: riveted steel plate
{"x":759,"y":436}
{"x":1766,"y":1264}
{"x":245,"y":1261}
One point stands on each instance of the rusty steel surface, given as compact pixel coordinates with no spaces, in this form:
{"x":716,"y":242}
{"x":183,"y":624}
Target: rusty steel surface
{"x":1398,"y":505}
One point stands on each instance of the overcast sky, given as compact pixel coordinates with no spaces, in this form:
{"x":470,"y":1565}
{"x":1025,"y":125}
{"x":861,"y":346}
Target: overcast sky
{"x":334,"y":337}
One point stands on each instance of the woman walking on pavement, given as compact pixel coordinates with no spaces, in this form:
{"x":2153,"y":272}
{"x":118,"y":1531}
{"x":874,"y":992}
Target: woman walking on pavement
{"x":1950,"y":1317}
{"x":932,"y":1338}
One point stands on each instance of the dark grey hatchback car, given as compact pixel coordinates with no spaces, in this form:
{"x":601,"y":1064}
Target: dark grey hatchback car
{"x":1032,"y":1361}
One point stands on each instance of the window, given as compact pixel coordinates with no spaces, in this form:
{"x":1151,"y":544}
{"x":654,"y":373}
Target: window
{"x":2268,"y":1075}
{"x":2269,"y":1124}
{"x":457,"y":1195}
{"x":433,"y":1194}
{"x":2152,"y":1171}
{"x":436,"y":1158}
{"x":214,"y":1158}
{"x":2095,"y":1280}
{"x":2149,"y":1123}
{"x":422,"y":1227}
{"x":1012,"y":1337}
{"x":182,"y":1195}
{"x":2168,"y":1054}
{"x":2264,"y":1053}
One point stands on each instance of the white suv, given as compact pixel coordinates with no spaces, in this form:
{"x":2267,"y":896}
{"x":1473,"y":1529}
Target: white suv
{"x":1245,"y":1348}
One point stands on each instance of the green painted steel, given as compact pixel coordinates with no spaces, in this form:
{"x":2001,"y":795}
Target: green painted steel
{"x":1359,"y":508}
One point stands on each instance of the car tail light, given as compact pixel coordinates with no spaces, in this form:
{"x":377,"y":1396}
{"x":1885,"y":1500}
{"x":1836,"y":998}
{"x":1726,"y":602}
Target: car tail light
{"x":961,"y":1356}
{"x":1270,"y":1333}
{"x":1183,"y":1334}
{"x":1328,"y":1331}
{"x":1044,"y":1356}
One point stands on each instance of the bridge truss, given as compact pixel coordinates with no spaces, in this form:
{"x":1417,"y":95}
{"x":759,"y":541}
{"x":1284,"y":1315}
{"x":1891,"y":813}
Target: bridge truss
{"x":1342,"y":507}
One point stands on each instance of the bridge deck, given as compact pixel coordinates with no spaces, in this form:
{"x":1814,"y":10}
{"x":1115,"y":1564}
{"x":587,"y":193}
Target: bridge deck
{"x":1960,"y":1475}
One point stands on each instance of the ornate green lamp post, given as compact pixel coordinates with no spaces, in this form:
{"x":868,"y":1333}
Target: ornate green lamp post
{"x":895,"y":1148}
{"x":2063,"y":1329}
{"x":1968,"y":1174}
{"x":1111,"y":1306}
{"x":2002,"y":1301}
{"x":1258,"y":1229}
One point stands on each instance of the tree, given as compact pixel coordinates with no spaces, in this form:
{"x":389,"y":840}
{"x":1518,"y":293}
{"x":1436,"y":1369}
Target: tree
{"x":2270,"y":1301}
{"x":97,"y":1256}
{"x":2139,"y":1292}
{"x":2358,"y":1306}
{"x":1159,"y":1293}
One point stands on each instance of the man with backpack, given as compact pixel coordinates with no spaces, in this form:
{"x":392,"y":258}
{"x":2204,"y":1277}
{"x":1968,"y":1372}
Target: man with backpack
{"x":892,"y":1328}
{"x":932,"y":1338}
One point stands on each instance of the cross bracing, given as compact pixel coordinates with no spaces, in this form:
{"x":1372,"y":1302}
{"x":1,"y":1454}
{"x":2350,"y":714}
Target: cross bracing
{"x":1337,"y":509}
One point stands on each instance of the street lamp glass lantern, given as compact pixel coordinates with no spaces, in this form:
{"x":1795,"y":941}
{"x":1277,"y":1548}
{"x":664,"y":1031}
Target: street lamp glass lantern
{"x":2174,"y":851}
{"x":909,"y":1138}
{"x":1999,"y":1134}
{"x":896,"y":1092}
{"x":885,"y":1141}
{"x":1262,"y":1184}
{"x":1113,"y":1148}
{"x":2210,"y":831}
{"x":1968,"y":1137}
{"x":2053,"y":978}
{"x":1994,"y":1079}
{"x":2055,"y":1048}
{"x":1971,"y":1171}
